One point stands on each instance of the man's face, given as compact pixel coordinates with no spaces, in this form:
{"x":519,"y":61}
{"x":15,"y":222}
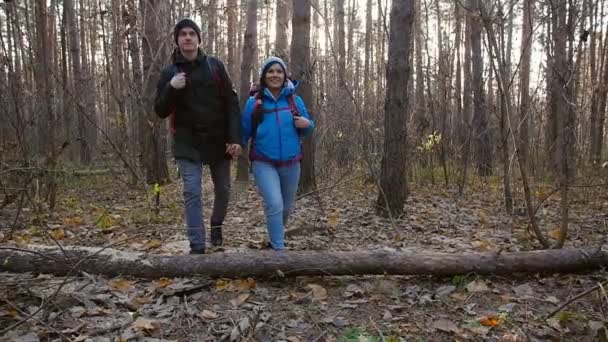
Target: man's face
{"x":187,"y":40}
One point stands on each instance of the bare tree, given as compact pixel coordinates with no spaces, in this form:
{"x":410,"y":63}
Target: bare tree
{"x":302,"y":70}
{"x":483,"y":143}
{"x":249,"y":52}
{"x":339,"y":36}
{"x":153,"y":140}
{"x":282,"y":22}
{"x":524,"y":79}
{"x":393,"y":180}
{"x":46,"y":128}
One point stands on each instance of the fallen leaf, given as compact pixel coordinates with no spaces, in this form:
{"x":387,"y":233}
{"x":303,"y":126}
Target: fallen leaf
{"x":332,"y":219}
{"x":445,"y":325}
{"x":73,"y":222}
{"x":240,"y":329}
{"x":121,"y":285}
{"x":143,"y":324}
{"x":162,"y":283}
{"x":552,"y":300}
{"x":477,"y":286}
{"x":58,"y":234}
{"x":489,"y":321}
{"x":245,"y":284}
{"x":22,"y":240}
{"x":555,"y":233}
{"x":339,"y":322}
{"x":476,"y":327}
{"x":318,"y":292}
{"x":152,"y":244}
{"x":444,"y":291}
{"x":206,"y":314}
{"x":511,"y":338}
{"x":524,"y":291}
{"x":240,"y":299}
{"x":352,"y":290}
{"x":223,"y":284}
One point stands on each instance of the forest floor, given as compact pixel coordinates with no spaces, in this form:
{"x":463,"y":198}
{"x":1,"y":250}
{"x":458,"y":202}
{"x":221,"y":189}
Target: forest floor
{"x":99,"y":210}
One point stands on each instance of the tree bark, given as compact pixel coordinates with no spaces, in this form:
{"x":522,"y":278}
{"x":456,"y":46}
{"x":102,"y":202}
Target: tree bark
{"x":483,"y":142}
{"x":282,"y":28}
{"x":111,"y":262}
{"x":393,"y":180}
{"x":302,"y":70}
{"x":524,"y":80}
{"x":211,"y":25}
{"x":249,"y":51}
{"x":154,"y":142}
{"x":339,"y":38}
{"x":231,"y":40}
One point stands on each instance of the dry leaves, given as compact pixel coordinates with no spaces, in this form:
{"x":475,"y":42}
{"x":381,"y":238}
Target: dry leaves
{"x":143,"y":324}
{"x":162,"y":283}
{"x":235,"y":285}
{"x":490,"y":321}
{"x":208,"y":315}
{"x":318,"y":292}
{"x":121,"y":285}
{"x":239,"y":300}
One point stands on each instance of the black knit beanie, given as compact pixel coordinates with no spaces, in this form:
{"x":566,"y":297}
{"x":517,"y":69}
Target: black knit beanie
{"x":186,"y":23}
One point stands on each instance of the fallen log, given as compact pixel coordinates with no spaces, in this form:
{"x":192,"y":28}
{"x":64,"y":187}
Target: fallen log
{"x":111,"y":262}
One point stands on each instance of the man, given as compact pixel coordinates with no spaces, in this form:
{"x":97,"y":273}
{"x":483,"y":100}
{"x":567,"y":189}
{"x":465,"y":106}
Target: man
{"x":196,"y":92}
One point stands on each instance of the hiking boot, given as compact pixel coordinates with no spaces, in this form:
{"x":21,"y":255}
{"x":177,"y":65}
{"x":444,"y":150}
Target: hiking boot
{"x":216,"y":235}
{"x":197,"y":251}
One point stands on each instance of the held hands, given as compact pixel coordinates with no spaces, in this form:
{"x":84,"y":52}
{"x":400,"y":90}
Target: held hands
{"x":234,"y":150}
{"x":179,"y":80}
{"x":301,"y":122}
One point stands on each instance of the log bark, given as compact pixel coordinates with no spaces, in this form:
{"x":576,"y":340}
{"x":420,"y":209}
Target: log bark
{"x":111,"y":262}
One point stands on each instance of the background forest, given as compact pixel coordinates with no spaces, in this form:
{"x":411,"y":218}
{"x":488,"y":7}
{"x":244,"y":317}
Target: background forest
{"x":443,"y":126}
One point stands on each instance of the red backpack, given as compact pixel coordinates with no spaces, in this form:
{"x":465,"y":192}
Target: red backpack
{"x":258,"y":108}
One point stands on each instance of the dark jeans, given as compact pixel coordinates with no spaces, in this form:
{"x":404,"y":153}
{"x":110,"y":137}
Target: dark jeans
{"x":191,"y":174}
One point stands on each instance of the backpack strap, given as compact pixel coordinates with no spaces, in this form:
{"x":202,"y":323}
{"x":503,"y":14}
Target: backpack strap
{"x":292,"y":105}
{"x":172,"y":129}
{"x":214,"y":68}
{"x":258,"y":111}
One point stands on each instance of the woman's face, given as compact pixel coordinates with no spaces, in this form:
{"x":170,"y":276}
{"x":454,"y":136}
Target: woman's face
{"x":274,"y":77}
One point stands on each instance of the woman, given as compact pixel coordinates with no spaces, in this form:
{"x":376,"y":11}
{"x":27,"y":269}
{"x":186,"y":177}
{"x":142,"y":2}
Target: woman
{"x":275,"y":119}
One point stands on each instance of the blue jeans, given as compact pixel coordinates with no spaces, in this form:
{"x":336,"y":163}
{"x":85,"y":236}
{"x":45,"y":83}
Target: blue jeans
{"x":278,"y":187}
{"x":191,"y":173}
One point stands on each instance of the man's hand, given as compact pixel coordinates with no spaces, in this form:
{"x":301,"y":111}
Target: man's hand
{"x":234,"y":150}
{"x":301,"y":122}
{"x":179,"y":80}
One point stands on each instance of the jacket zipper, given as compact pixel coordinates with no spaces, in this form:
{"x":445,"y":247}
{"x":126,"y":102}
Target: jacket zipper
{"x":276,"y":110}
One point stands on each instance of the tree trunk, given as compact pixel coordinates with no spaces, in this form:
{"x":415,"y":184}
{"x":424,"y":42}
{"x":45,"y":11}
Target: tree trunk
{"x":111,"y":262}
{"x":249,"y":51}
{"x":564,"y":103}
{"x":483,"y":143}
{"x":369,"y":35}
{"x":140,"y":119}
{"x":281,"y":30}
{"x":393,"y":180}
{"x":420,"y":118}
{"x":46,"y":131}
{"x":302,"y":70}
{"x":339,"y":39}
{"x":211,"y":25}
{"x":77,"y":73}
{"x":524,"y":80}
{"x":154,"y":142}
{"x":231,"y":10}
{"x":88,"y":70}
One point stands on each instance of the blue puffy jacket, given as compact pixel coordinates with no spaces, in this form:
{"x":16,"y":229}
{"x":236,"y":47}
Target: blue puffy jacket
{"x":277,"y":137}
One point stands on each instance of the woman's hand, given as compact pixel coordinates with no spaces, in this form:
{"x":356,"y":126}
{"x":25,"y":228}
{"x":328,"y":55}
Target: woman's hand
{"x":301,"y":122}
